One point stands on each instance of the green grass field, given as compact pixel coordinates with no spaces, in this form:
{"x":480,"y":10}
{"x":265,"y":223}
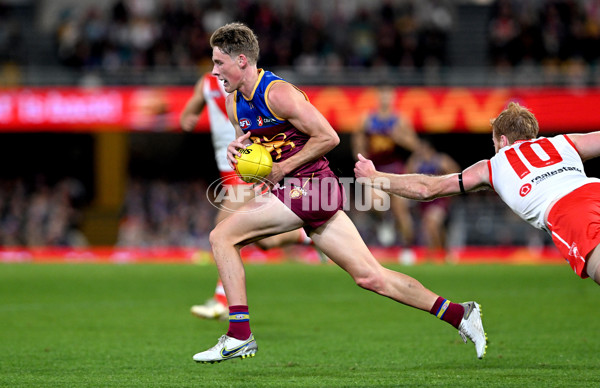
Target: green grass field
{"x":88,"y":325}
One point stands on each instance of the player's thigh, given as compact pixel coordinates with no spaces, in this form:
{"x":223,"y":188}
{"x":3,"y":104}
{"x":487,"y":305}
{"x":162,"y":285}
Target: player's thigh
{"x":435,"y":215}
{"x":259,"y":217}
{"x":238,"y":196}
{"x":341,"y":242}
{"x":593,"y":264}
{"x":399,"y":205}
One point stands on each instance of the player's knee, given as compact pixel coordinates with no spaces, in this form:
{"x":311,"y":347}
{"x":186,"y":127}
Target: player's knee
{"x":217,"y":236}
{"x":222,"y":236}
{"x":213,"y":237}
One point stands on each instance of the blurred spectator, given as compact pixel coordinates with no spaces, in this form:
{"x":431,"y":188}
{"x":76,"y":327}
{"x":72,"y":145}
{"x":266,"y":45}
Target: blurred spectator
{"x":432,"y":215}
{"x":435,"y":20}
{"x":10,"y":37}
{"x":503,"y":32}
{"x":41,"y":215}
{"x":387,"y":137}
{"x":361,"y":31}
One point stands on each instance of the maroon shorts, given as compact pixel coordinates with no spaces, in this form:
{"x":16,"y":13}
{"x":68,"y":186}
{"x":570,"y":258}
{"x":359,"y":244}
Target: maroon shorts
{"x":575,"y":225}
{"x":315,"y":199}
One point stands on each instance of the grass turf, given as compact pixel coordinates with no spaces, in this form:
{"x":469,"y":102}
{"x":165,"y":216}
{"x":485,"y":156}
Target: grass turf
{"x":88,"y":325}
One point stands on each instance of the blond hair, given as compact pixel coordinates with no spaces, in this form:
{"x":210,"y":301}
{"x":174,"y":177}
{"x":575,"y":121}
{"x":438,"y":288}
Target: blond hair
{"x":516,"y":123}
{"x":234,"y":39}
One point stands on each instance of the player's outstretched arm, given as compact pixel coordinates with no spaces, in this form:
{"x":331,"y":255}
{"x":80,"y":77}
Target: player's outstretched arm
{"x":191,"y":112}
{"x":587,"y":144}
{"x":422,"y":187}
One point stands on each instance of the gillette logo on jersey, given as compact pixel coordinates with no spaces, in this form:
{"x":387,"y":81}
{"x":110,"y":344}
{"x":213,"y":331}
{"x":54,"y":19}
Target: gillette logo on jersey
{"x":278,"y":135}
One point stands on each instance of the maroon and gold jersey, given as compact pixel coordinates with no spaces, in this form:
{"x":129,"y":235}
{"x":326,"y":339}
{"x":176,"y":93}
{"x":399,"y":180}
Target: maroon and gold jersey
{"x":279,"y":136}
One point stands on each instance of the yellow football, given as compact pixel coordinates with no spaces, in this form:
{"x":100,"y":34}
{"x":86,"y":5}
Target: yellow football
{"x":254,"y":164}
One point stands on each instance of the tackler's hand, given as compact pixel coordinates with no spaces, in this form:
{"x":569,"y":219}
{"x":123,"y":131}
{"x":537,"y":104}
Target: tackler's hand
{"x":364,"y":168}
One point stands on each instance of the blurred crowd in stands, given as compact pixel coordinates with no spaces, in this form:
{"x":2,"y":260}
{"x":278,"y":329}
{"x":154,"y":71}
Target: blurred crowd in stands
{"x":41,"y":214}
{"x":410,"y":33}
{"x":550,"y":32}
{"x":176,"y":33}
{"x":158,"y":213}
{"x":155,"y":213}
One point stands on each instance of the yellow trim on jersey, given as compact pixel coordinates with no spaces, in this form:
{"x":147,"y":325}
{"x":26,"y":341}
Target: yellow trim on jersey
{"x":235,"y":116}
{"x":261,"y":72}
{"x":267,"y":93}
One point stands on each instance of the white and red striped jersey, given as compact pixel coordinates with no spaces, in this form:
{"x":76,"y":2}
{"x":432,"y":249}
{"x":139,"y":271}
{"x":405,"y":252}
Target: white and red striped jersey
{"x":530,"y":175}
{"x":222,"y":132}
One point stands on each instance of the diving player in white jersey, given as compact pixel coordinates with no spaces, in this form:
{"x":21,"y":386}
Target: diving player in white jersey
{"x":541,"y":179}
{"x":209,"y":93}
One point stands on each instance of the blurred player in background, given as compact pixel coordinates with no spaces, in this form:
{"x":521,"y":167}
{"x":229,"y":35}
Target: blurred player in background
{"x":541,"y":179}
{"x":266,"y":109}
{"x":433,"y":214}
{"x":388,"y":138}
{"x":210,"y":94}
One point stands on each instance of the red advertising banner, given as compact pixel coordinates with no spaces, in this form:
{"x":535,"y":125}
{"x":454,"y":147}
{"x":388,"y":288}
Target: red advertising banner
{"x":85,"y":110}
{"x":254,"y":255}
{"x":433,"y":110}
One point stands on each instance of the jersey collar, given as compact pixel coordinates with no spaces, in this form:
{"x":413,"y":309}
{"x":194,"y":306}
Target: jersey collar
{"x":261,"y":72}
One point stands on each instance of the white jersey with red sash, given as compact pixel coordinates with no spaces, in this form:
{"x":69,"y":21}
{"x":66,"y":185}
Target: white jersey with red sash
{"x":530,"y":175}
{"x":222,"y":132}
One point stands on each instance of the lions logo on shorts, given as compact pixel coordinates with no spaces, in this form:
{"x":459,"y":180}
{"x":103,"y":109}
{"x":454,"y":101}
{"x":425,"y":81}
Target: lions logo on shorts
{"x":297,"y":192}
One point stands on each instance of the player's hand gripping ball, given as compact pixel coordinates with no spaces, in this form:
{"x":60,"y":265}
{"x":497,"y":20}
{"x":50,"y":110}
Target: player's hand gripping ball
{"x":254,"y":164}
